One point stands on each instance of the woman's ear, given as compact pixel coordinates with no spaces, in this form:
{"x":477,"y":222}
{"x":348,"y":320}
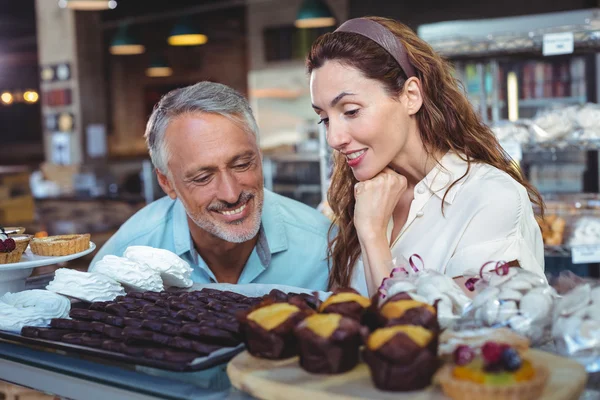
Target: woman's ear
{"x":414,"y":95}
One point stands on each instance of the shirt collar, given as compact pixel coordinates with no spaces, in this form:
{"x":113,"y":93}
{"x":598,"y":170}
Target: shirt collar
{"x":449,"y":169}
{"x":272,"y":235}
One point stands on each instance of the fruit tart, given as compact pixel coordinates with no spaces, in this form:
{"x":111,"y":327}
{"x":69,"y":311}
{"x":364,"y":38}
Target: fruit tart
{"x":12,"y":247}
{"x":60,"y":245}
{"x":496,"y":372}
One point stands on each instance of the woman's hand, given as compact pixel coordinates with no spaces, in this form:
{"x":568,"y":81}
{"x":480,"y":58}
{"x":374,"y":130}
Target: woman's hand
{"x":376,"y":199}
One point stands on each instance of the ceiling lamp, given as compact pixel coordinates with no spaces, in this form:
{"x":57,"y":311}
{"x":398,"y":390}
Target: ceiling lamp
{"x":88,"y":5}
{"x":314,"y":14}
{"x":185,"y":34}
{"x":6,"y":98}
{"x":159,"y":68}
{"x":125,"y":44}
{"x":31,"y":96}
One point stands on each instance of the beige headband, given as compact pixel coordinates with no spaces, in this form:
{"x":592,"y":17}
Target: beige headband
{"x":383,"y":37}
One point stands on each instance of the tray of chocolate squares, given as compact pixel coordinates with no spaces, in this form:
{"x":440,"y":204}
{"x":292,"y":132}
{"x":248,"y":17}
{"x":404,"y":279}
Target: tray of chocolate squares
{"x":187,"y":331}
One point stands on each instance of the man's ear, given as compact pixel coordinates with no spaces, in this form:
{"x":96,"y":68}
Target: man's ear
{"x":414,"y":95}
{"x":166,"y":186}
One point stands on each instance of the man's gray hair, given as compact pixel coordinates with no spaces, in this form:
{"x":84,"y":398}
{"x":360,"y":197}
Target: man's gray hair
{"x":203,"y":97}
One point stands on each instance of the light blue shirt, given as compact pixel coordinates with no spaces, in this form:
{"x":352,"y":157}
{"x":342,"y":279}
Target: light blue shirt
{"x":291,"y":249}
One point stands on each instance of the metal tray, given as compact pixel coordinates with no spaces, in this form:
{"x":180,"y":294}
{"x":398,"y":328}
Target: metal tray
{"x":216,"y":358}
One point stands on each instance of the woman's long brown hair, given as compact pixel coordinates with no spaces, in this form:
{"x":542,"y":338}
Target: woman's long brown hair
{"x":446,"y":122}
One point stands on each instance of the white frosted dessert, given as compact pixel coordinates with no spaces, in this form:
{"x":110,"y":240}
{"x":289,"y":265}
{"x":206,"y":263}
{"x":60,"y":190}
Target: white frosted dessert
{"x":132,"y":274}
{"x":173,"y":269}
{"x":87,"y":286}
{"x":31,"y":308}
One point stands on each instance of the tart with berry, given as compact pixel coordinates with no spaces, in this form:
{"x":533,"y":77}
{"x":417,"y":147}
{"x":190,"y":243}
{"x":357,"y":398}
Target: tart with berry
{"x":60,"y":245}
{"x":496,"y":372}
{"x":12,"y":247}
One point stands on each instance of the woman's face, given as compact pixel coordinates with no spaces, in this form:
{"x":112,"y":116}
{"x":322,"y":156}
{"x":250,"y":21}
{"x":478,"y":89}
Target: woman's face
{"x":363,"y":122}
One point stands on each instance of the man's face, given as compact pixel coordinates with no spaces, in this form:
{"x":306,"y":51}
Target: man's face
{"x":215,"y":170}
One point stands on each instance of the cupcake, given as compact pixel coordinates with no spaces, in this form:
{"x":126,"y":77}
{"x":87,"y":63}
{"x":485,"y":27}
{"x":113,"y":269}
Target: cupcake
{"x":12,"y":247}
{"x":401,"y":357}
{"x":346,"y":302}
{"x":499,"y":372}
{"x":268,"y":328}
{"x":328,"y":343}
{"x":401,"y":309}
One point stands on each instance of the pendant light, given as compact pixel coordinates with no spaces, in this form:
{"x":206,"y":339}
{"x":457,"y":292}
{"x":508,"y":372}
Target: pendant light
{"x":88,"y":5}
{"x":184,"y":33}
{"x":159,"y":68}
{"x":124,"y":43}
{"x":314,"y":14}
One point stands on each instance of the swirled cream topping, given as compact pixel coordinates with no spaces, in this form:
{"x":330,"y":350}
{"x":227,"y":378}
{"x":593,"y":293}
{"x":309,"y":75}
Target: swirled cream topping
{"x":31,"y":308}
{"x":129,"y":273}
{"x":173,"y":269}
{"x":88,"y":286}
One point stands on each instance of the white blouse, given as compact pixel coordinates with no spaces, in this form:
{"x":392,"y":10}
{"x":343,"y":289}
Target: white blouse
{"x":487,"y":217}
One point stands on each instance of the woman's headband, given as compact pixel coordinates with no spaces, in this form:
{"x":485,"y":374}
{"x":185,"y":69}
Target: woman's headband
{"x":383,"y":37}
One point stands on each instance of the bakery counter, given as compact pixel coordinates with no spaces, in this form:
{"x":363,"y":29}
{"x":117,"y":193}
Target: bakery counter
{"x":79,"y":378}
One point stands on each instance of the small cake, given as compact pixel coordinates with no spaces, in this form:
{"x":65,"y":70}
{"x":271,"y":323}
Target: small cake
{"x":328,"y":343}
{"x":450,"y":340}
{"x":400,"y":309}
{"x":401,"y":357}
{"x":498,"y":373}
{"x":268,"y":328}
{"x":346,"y":302}
{"x":12,"y":247}
{"x":60,"y":245}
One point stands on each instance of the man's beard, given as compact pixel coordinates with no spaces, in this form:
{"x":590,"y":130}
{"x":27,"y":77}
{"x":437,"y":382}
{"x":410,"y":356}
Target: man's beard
{"x":224,"y":230}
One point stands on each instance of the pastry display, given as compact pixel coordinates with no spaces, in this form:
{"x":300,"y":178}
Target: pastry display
{"x":174,"y":270}
{"x":514,"y":298}
{"x":328,"y":343}
{"x":346,"y":302}
{"x":401,"y":357}
{"x":87,"y":286}
{"x":576,"y":327}
{"x":60,"y":245}
{"x":553,"y":229}
{"x":268,"y":328}
{"x":31,"y":307}
{"x":585,"y":231}
{"x":151,"y":325}
{"x":493,"y":371}
{"x":130,"y":274}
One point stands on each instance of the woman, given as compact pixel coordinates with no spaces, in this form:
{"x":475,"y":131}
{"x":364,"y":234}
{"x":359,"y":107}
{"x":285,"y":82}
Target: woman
{"x":416,"y":171}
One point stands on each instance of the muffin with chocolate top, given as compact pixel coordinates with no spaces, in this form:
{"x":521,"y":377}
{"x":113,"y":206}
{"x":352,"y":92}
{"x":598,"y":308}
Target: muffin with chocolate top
{"x":401,"y":357}
{"x":328,"y":343}
{"x":400,"y":310}
{"x":268,"y":328}
{"x":346,"y":302}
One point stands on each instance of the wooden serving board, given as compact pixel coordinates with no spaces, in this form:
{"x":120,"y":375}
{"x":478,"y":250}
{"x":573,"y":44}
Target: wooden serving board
{"x":274,"y":380}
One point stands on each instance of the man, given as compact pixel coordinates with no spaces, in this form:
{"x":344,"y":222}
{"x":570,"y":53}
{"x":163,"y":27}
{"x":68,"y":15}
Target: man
{"x":217,"y":215}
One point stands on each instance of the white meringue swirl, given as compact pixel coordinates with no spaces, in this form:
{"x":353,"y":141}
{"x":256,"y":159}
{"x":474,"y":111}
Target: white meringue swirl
{"x":31,"y":308}
{"x":129,"y":273}
{"x":173,"y":269}
{"x":88,"y":286}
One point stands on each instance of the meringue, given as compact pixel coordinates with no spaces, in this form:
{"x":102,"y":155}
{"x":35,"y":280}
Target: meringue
{"x":87,"y":286}
{"x":31,"y":308}
{"x":174,"y":270}
{"x":129,"y":273}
